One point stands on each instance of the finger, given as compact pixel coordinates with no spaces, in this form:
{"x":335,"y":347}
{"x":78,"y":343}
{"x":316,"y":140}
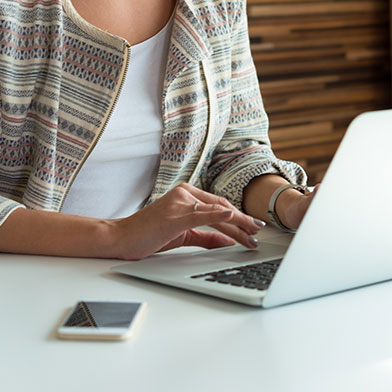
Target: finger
{"x":237,"y":234}
{"x":204,"y":218}
{"x":207,"y":239}
{"x":202,"y":238}
{"x":244,"y":223}
{"x":207,"y":197}
{"x":209,"y":202}
{"x":222,"y":220}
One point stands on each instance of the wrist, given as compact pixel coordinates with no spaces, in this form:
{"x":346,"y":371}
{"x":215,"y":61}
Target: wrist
{"x":280,"y":205}
{"x":106,"y":235}
{"x":122,"y":239}
{"x":286,"y":198}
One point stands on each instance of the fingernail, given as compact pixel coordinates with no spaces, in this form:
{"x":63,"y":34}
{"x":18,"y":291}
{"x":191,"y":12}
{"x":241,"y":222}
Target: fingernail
{"x":226,"y":213}
{"x":253,"y":241}
{"x":259,"y":222}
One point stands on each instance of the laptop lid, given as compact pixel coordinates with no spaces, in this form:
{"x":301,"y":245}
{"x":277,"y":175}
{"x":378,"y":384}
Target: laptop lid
{"x":342,"y":243}
{"x":345,"y":239}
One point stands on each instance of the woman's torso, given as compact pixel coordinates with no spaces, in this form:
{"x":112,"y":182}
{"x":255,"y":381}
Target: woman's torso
{"x":120,"y":173}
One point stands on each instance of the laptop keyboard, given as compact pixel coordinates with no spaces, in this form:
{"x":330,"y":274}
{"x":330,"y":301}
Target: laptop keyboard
{"x":252,"y":276}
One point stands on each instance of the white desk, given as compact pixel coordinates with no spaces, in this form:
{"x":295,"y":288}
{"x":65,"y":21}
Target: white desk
{"x":187,"y":341}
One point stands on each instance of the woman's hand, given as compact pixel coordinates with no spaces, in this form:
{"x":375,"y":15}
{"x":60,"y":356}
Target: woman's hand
{"x":295,"y":208}
{"x":170,"y":222}
{"x":290,"y":205}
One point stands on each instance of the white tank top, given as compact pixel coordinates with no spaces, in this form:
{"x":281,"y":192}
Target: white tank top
{"x":119,"y":175}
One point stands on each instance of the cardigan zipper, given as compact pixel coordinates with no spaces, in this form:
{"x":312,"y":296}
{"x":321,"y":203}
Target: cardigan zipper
{"x":122,"y":79}
{"x":211,"y":97}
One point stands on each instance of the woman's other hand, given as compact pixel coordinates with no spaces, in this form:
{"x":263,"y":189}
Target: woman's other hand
{"x":290,"y":205}
{"x":295,"y":209}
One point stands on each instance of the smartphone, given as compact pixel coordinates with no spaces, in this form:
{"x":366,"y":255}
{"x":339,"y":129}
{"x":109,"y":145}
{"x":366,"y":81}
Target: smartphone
{"x":101,"y":320}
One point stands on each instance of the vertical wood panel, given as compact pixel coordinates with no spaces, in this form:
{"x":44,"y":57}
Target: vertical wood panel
{"x":320,"y":63}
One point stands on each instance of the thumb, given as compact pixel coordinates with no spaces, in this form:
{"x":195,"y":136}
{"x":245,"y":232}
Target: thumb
{"x":207,"y":239}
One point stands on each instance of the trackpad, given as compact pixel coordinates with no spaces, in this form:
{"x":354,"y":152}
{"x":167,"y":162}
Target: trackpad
{"x":239,"y":254}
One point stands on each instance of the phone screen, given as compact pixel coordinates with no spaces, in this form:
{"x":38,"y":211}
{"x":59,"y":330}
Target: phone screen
{"x":101,"y":319}
{"x":103,"y":314}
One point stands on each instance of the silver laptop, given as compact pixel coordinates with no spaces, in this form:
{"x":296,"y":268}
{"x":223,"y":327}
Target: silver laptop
{"x":344,"y":240}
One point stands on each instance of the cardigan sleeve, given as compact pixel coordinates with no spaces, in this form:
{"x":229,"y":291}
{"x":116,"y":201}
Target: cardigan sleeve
{"x":244,"y":151}
{"x":7,"y":206}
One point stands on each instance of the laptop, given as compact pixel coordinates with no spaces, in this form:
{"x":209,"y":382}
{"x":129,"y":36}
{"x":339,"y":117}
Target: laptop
{"x":343,"y":242}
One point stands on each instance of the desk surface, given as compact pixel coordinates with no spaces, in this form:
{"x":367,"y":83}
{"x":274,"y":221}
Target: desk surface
{"x":187,"y":341}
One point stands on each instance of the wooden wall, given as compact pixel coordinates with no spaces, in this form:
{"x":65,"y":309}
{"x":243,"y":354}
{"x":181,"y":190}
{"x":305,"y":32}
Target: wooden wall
{"x":320,"y":63}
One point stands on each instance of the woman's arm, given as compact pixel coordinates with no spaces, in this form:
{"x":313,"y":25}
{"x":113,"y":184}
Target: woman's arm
{"x":244,"y":151}
{"x":165,"y":224}
{"x":290,"y":206}
{"x":52,"y":233}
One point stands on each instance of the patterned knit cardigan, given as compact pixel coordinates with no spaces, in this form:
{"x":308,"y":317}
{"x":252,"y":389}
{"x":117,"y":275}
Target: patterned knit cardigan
{"x":60,"y":78}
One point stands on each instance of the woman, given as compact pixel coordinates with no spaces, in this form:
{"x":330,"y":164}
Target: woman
{"x":185,"y":143}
